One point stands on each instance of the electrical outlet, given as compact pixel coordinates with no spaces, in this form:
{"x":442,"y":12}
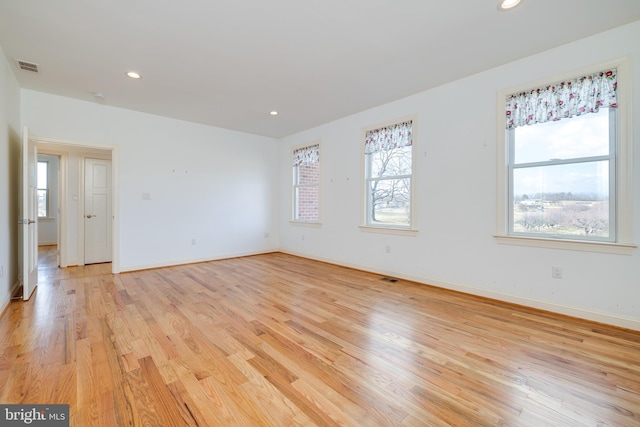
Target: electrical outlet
{"x":193,"y":241}
{"x":1,"y":270}
{"x":387,"y":249}
{"x":556,"y":272}
{"x":266,"y":235}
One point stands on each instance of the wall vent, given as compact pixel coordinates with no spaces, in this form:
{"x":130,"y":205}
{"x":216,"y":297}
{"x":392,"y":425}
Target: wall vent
{"x":389,"y":279}
{"x":27,"y":66}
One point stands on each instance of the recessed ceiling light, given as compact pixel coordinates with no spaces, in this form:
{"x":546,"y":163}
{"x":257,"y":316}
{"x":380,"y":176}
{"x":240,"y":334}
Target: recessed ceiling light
{"x":133,"y":75}
{"x":508,"y":4}
{"x":274,"y":113}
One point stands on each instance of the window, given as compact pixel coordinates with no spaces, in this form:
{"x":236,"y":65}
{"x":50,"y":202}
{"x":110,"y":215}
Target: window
{"x":567,"y":168}
{"x":388,"y":176}
{"x":306,"y":184}
{"x":43,"y":189}
{"x":563,"y":181}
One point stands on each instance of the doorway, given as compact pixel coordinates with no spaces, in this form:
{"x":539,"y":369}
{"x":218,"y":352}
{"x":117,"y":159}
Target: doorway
{"x":73,"y":235}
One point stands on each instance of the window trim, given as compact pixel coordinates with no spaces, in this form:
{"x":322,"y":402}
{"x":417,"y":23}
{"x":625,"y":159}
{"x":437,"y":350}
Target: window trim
{"x":293,"y":219}
{"x":623,"y":167}
{"x":412,"y":229}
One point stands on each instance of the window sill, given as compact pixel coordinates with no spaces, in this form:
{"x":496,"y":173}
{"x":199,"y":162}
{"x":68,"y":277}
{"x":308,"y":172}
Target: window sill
{"x":389,"y":230}
{"x":574,"y":245}
{"x":305,"y":223}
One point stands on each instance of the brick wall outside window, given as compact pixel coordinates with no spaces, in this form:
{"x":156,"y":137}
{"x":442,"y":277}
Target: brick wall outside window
{"x":307,"y":192}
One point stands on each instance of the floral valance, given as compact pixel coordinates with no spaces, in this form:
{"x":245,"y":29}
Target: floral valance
{"x":387,"y":138}
{"x":306,"y":155}
{"x":565,"y":99}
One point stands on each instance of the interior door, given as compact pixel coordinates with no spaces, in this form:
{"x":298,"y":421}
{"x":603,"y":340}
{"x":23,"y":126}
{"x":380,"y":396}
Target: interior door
{"x":97,"y":211}
{"x":28,"y":253}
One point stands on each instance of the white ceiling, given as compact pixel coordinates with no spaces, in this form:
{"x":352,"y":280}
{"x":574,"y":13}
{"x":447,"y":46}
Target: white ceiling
{"x":229,"y":63}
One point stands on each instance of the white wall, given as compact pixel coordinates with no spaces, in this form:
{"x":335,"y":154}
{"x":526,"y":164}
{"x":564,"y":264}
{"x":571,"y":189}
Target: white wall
{"x":209,"y":184}
{"x":455,"y":146}
{"x":48,"y":227}
{"x":9,"y":179}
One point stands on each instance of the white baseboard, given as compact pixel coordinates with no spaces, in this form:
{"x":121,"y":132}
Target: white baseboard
{"x":7,"y":298}
{"x":176,"y":262}
{"x":623,"y":322}
{"x":5,"y":303}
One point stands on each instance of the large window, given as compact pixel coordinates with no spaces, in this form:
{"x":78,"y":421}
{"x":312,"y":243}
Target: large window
{"x":43,"y":189}
{"x":567,"y":172}
{"x":388,"y":176}
{"x":306,"y":184}
{"x":563,"y":180}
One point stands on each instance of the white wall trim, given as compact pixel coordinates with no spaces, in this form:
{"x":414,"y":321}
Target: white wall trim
{"x":185,"y":261}
{"x":608,"y":319}
{"x":115,"y":209}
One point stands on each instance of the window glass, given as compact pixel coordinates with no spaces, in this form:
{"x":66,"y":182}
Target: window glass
{"x":562,"y":183}
{"x":568,"y":199}
{"x":580,"y":136}
{"x":42,"y":175}
{"x":43,"y":189}
{"x":306,"y":184}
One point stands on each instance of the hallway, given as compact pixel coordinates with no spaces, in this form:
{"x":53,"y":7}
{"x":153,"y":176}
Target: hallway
{"x":48,"y":270}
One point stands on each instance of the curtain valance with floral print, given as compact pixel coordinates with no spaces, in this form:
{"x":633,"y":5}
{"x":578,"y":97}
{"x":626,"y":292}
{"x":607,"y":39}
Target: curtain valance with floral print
{"x":565,"y":99}
{"x":384,"y":139}
{"x":306,"y":155}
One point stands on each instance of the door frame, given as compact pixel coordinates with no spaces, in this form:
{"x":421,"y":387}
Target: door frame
{"x":64,"y":149}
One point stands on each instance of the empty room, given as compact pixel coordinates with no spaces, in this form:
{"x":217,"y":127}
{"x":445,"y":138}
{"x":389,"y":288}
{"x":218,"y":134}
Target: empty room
{"x":320,"y":213}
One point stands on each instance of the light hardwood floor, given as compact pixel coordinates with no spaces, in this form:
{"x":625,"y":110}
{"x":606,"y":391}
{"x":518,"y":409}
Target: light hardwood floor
{"x":276,"y":340}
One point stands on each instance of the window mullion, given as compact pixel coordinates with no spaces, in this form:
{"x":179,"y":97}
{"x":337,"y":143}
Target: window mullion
{"x":563,"y":161}
{"x":390,"y":177}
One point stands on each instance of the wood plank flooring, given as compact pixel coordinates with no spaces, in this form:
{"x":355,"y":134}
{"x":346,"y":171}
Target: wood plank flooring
{"x":277,"y":340}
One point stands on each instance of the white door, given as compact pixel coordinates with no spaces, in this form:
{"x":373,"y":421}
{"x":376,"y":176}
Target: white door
{"x":97,"y":211}
{"x":28,"y":253}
